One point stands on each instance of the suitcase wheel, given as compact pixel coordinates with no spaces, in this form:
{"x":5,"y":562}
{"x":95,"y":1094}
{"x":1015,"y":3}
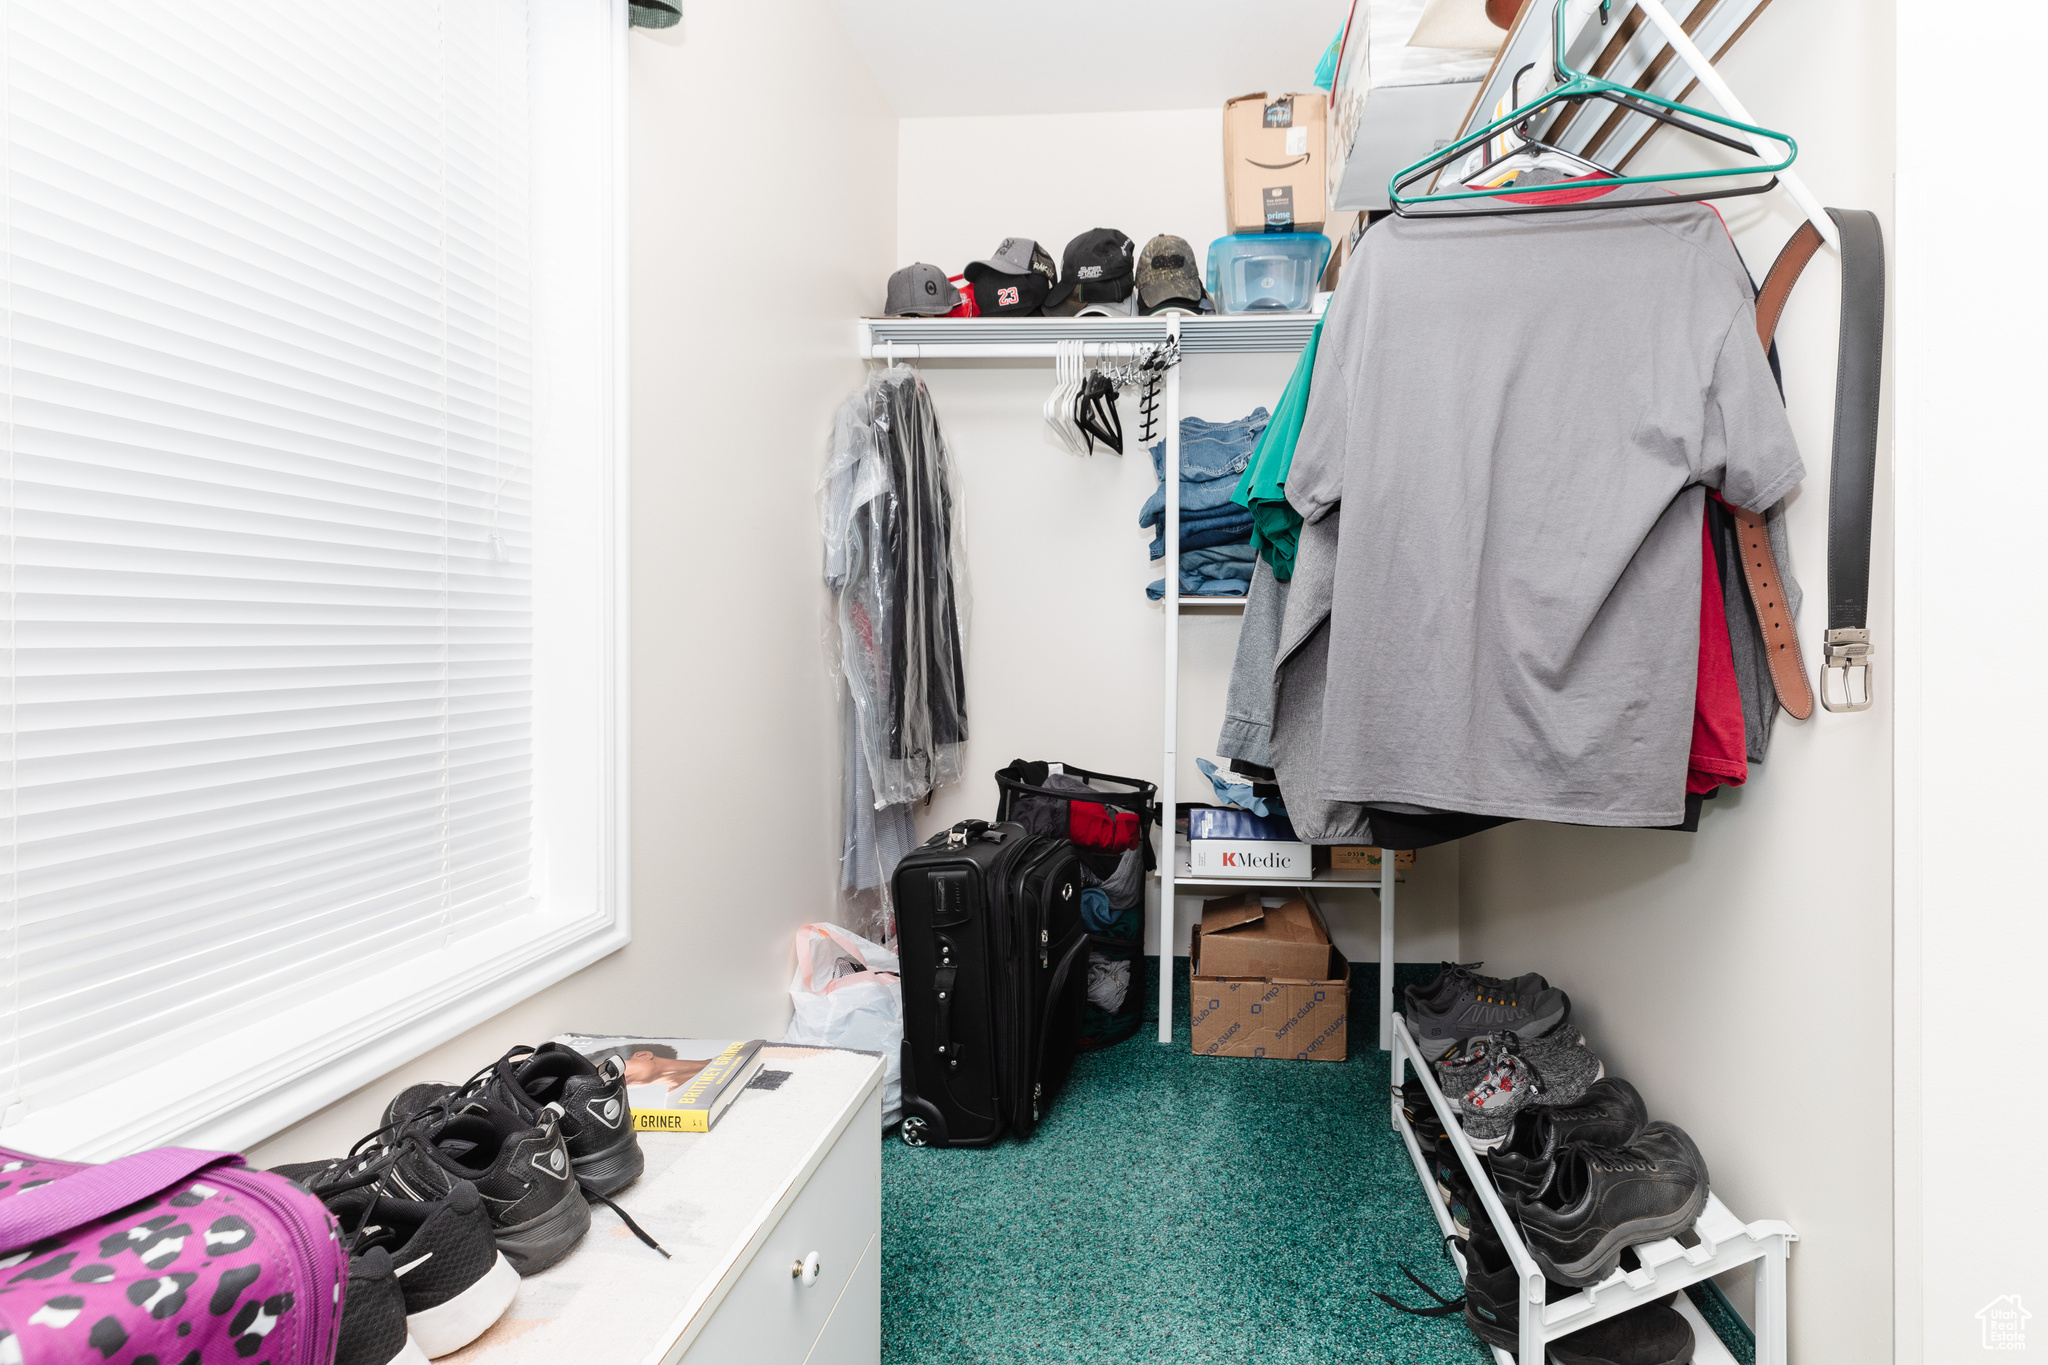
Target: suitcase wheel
{"x":913,"y":1132}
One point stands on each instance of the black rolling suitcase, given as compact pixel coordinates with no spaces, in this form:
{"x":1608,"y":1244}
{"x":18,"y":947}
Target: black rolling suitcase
{"x":995,"y":981}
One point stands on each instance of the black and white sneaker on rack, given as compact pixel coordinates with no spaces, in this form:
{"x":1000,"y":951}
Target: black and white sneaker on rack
{"x":596,"y":1120}
{"x":521,"y":1172}
{"x":456,"y":1282}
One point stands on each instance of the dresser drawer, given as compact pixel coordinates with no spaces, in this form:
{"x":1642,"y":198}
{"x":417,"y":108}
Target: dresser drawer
{"x":770,"y":1315}
{"x":853,"y":1334}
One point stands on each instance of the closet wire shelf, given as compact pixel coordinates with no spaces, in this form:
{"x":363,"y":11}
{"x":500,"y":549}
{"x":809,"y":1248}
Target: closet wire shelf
{"x":1024,"y":338}
{"x":1721,"y":1243}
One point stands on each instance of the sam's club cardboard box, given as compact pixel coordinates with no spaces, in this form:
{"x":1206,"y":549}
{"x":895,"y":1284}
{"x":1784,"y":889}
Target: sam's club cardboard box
{"x":1265,"y":981}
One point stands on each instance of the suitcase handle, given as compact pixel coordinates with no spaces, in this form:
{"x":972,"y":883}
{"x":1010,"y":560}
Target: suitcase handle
{"x":942,"y":981}
{"x":967,"y":831}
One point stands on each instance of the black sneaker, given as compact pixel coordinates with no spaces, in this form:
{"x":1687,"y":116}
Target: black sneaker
{"x":1421,"y":1116}
{"x":1478,"y":1005}
{"x":1653,"y":1334}
{"x":595,"y":1121}
{"x":1493,"y":1290}
{"x":1609,"y":1114}
{"x":520,"y":1170}
{"x":456,"y":1282}
{"x":373,"y":1316}
{"x":1456,"y":1187}
{"x":1450,"y":976}
{"x":1601,"y":1200}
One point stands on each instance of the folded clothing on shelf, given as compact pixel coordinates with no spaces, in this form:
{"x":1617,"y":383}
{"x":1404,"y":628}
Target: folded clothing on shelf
{"x":1213,"y":458}
{"x":1211,"y":571}
{"x":1229,"y":525}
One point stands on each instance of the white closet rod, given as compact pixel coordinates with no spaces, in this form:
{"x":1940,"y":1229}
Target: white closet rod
{"x":1022,"y":350}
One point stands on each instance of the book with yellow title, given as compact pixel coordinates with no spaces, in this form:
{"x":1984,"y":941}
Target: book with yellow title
{"x":675,"y":1085}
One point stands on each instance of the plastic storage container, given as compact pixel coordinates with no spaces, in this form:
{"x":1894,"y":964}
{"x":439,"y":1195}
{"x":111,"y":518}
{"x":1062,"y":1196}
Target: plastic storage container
{"x":1267,"y":272}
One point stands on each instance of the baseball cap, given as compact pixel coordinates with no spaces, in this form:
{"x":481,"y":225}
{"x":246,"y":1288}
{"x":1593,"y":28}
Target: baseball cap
{"x":1096,"y":267}
{"x":1014,"y":280}
{"x":1016,"y":256}
{"x":920,"y":290}
{"x":1168,"y":276}
{"x":1126,"y":307}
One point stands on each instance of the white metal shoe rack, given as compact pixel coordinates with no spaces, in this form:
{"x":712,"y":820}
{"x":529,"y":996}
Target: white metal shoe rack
{"x":1033,"y":339}
{"x":1720,"y":1242}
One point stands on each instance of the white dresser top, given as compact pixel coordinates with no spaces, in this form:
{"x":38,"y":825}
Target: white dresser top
{"x":709,"y":1198}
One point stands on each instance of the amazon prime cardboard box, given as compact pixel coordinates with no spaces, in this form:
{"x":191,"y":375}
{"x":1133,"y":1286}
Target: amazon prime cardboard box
{"x":1274,"y":163}
{"x":1264,"y":981}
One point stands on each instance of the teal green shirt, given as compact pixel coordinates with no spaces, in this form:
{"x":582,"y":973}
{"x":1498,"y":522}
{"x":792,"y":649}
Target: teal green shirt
{"x":1263,"y":490}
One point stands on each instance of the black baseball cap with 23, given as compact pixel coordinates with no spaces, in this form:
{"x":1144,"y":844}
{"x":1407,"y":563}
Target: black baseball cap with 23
{"x":1014,"y":280}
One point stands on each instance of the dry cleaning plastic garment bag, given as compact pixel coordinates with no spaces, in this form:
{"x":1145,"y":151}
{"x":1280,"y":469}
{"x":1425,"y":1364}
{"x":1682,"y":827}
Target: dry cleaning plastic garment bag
{"x":846,"y":993}
{"x":893,"y":555}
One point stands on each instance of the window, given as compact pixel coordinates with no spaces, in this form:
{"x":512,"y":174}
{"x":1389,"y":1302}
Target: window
{"x":311,"y":628}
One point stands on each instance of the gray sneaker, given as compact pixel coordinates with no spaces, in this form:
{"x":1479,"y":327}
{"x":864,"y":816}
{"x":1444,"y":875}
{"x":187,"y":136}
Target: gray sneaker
{"x":1477,"y":1007}
{"x":1506,"y":1075}
{"x":1453,"y":976}
{"x":1486,"y":1111}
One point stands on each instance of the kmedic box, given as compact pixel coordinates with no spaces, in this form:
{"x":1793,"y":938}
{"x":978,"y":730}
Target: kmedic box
{"x":1264,"y":981}
{"x":1227,"y":842}
{"x":1274,"y":163}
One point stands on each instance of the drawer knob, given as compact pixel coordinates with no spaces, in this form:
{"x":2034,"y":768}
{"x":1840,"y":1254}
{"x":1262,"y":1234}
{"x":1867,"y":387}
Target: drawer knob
{"x":805,"y":1270}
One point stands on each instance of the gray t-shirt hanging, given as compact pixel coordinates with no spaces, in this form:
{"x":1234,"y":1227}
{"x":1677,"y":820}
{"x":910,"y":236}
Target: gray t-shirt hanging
{"x":1519,"y":415}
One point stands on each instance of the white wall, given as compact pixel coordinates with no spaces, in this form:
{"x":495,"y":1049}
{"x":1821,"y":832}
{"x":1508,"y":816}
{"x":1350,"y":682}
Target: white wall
{"x":1741,"y":976}
{"x":1064,"y":651}
{"x":1971,"y":807}
{"x":741,"y":350}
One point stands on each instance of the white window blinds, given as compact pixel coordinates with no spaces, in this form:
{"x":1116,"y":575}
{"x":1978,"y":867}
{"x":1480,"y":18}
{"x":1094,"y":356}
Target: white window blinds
{"x":269,"y":518}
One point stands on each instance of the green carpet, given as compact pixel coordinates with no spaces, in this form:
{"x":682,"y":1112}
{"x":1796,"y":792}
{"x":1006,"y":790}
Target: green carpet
{"x":1178,"y":1209}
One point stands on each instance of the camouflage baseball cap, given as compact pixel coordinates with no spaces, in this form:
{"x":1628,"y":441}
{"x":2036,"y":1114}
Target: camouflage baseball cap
{"x":1168,"y":276}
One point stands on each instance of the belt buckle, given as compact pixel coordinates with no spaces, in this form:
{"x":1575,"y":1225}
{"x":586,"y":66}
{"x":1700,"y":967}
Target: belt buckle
{"x":1847,"y":650}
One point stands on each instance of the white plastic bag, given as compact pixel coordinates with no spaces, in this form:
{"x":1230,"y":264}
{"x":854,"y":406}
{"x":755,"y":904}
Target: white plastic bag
{"x":847,"y":994}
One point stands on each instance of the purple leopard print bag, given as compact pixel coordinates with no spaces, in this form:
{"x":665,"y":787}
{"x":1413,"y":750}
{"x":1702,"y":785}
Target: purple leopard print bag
{"x":174,"y":1256}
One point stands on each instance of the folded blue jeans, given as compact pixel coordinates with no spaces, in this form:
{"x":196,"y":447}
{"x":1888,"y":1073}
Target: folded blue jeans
{"x":1194,"y":585}
{"x":1221,"y":528}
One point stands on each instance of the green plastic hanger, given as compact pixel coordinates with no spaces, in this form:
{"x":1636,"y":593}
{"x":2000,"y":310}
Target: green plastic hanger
{"x":1579,"y":85}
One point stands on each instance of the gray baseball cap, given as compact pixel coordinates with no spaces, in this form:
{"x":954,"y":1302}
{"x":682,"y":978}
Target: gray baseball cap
{"x":1017,"y":256}
{"x":921,"y":290}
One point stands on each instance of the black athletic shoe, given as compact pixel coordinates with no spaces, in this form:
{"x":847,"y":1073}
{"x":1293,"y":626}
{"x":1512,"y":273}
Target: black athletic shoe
{"x":456,"y":1282}
{"x":1493,"y":1291}
{"x":520,"y":1170}
{"x":373,"y":1316}
{"x":596,"y":1121}
{"x":1421,"y":1116}
{"x":1450,"y":976}
{"x":1653,"y":1334}
{"x":1478,"y":1006}
{"x":1609,"y":1114}
{"x":1601,"y":1200}
{"x":1456,"y":1188}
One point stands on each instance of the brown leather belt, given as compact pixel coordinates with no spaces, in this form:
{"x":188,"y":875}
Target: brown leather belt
{"x":1759,"y":565}
{"x":1846,"y":651}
